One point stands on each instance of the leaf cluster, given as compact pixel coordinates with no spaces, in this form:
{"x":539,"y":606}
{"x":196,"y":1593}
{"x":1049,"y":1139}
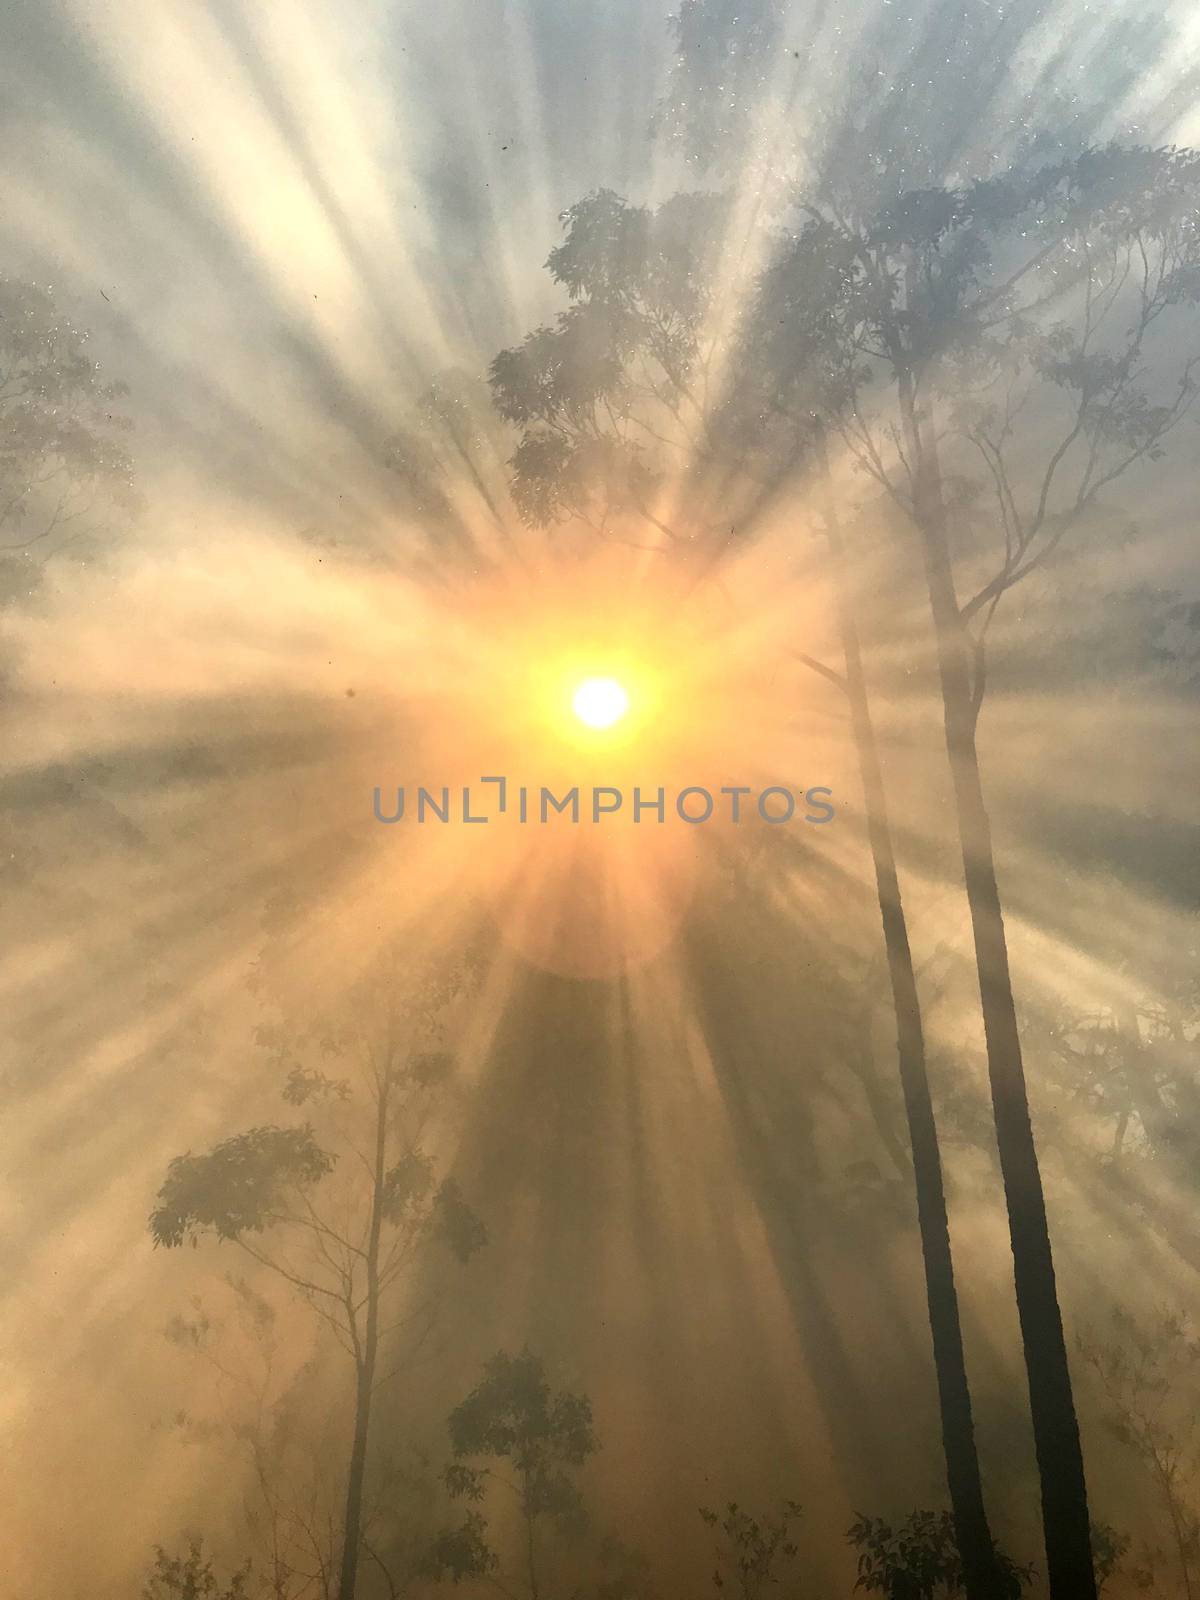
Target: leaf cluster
{"x":237,"y":1187}
{"x":753,"y":1551}
{"x":918,"y":1558}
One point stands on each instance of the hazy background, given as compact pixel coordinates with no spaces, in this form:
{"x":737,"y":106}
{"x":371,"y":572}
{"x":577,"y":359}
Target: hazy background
{"x":280,"y":225}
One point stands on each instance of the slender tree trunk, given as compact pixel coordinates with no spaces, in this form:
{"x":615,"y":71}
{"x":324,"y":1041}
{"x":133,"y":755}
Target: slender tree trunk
{"x":530,"y":1545}
{"x":981,"y":1573}
{"x":1067,"y":1530}
{"x":365,"y":1366}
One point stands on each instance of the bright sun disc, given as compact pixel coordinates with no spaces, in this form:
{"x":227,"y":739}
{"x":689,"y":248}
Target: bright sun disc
{"x":600,"y":702}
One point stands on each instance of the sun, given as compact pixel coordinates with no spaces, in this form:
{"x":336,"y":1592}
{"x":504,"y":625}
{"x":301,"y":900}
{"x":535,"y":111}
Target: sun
{"x":600,"y":702}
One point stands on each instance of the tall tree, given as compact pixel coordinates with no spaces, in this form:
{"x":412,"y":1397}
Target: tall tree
{"x":944,"y":295}
{"x":262,"y":1190}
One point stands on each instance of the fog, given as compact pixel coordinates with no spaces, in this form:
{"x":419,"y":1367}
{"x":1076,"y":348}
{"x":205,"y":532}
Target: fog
{"x":544,"y":1206}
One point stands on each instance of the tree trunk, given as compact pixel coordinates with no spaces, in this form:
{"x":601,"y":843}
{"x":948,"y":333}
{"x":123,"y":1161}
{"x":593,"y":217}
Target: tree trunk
{"x":365,"y":1359}
{"x":1069,"y":1564}
{"x":530,"y":1545}
{"x":982,"y":1578}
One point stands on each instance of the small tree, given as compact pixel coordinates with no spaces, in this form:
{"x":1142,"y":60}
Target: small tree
{"x":1148,"y":1371}
{"x":752,"y":1552}
{"x":918,"y":1559}
{"x":529,"y":1440}
{"x":261,"y":1191}
{"x":191,"y":1577}
{"x":1109,"y":1550}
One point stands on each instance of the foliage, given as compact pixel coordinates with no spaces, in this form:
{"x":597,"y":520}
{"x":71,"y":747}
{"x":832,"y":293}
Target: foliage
{"x":513,"y":1416}
{"x":515,"y":1432}
{"x":1131,"y":1065}
{"x":918,"y":1559}
{"x":240,"y":1186}
{"x":1019,"y":309}
{"x":753,"y":1551}
{"x":722,"y":50}
{"x":341,"y":1234}
{"x":191,"y":1577}
{"x":1110,"y":1549}
{"x":461,"y":1552}
{"x":623,"y":369}
{"x":459,"y":1228}
{"x":1147,"y":1370}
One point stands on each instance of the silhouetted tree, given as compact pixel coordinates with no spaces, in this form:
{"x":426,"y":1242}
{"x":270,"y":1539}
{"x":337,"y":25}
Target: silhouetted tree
{"x":936,"y":298}
{"x":797,"y":379}
{"x":623,"y":376}
{"x":927,"y":281}
{"x":515,"y":1435}
{"x":261,"y":1190}
{"x":753,"y":1553}
{"x":918,"y":1559}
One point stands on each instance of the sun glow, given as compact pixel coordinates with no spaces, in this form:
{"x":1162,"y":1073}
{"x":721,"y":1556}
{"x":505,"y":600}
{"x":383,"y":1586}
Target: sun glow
{"x":600,"y":702}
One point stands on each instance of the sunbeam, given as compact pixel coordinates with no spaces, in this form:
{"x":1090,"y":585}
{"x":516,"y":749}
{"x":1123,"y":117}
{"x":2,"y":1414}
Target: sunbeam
{"x":598,"y":622}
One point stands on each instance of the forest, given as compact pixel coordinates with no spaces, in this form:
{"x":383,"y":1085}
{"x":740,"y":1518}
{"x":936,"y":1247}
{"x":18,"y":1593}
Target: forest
{"x":419,"y":1181}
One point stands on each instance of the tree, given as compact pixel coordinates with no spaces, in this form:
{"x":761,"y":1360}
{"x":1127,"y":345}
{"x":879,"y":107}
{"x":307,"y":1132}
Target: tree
{"x":1147,"y":1371}
{"x":623,"y":374}
{"x":923,"y":282}
{"x":532,"y":1440}
{"x":61,"y":458}
{"x":261,"y":1190}
{"x":792,"y":384}
{"x":918,"y":1558}
{"x":1131,"y":1063}
{"x":627,"y":377}
{"x":936,"y":298}
{"x":752,"y":1550}
{"x":290,"y":1508}
{"x":191,"y":1577}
